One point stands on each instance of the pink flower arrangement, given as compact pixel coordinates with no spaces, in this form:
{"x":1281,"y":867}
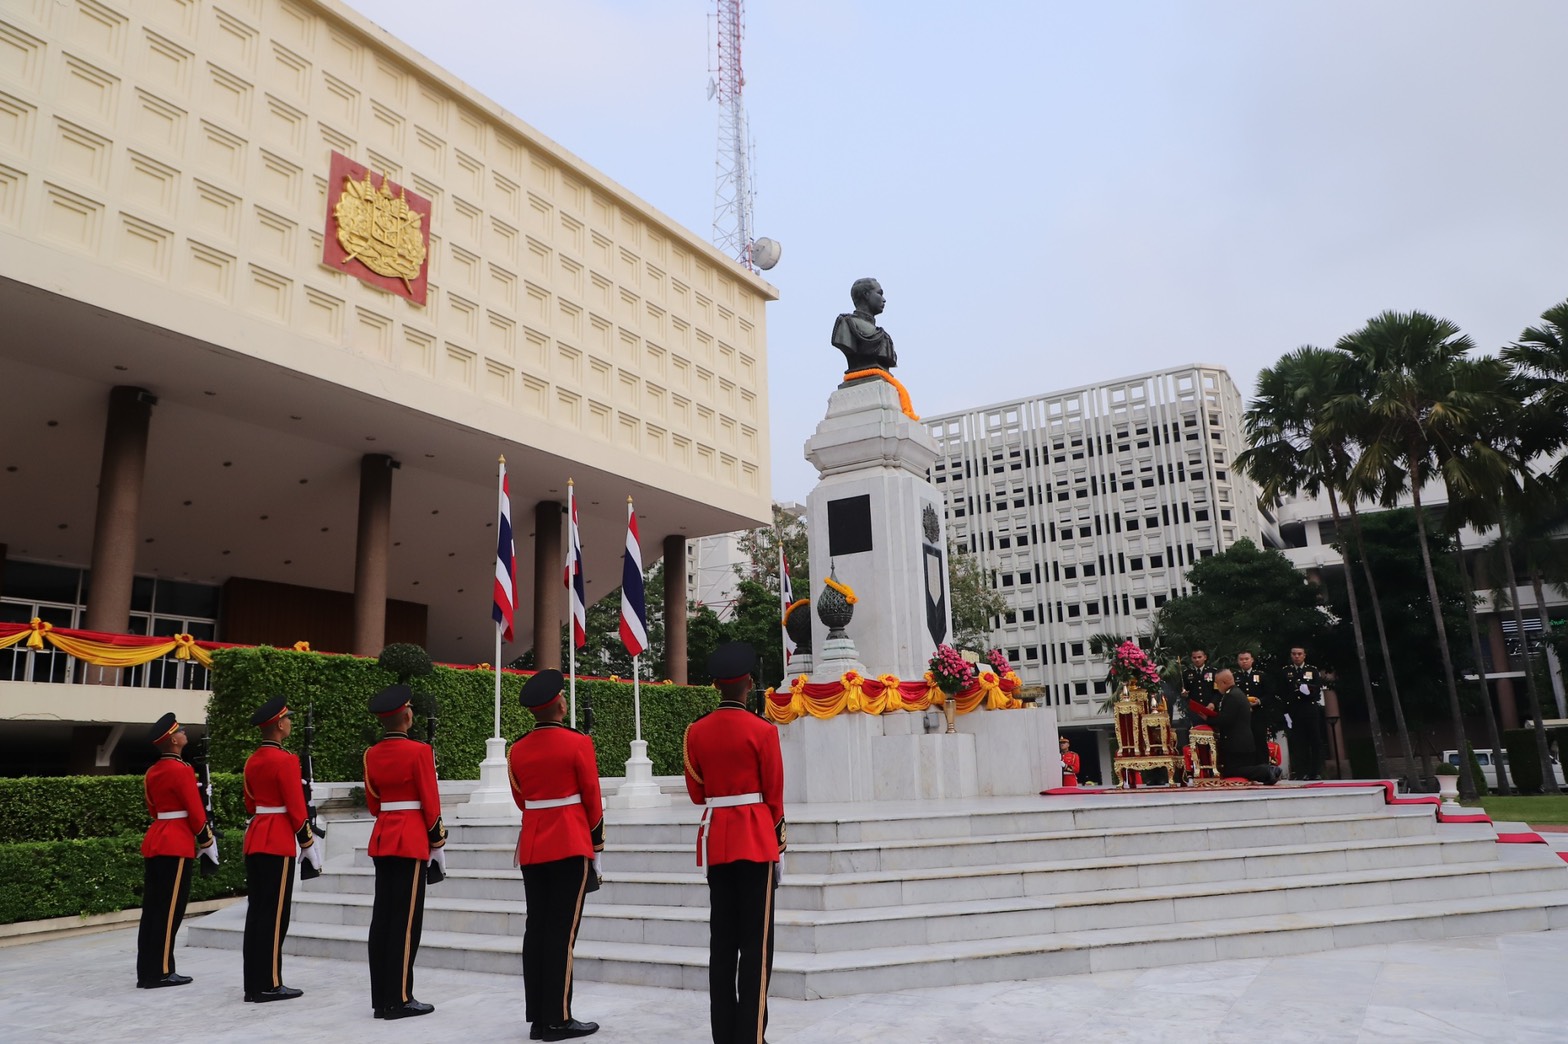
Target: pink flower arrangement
{"x":997,"y":661}
{"x":1130,"y":665}
{"x":950,"y":671}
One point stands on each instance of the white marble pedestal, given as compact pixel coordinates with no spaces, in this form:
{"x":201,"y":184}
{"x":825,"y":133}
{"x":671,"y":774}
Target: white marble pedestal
{"x":891,"y":757}
{"x":639,"y":789}
{"x":492,"y":799}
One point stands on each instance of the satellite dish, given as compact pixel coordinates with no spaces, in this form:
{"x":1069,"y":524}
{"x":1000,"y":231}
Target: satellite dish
{"x":713,"y":89}
{"x":765,"y":253}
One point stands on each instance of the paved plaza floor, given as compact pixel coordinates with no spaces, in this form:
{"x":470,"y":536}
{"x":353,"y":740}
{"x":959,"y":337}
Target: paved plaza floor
{"x":1500,"y":989}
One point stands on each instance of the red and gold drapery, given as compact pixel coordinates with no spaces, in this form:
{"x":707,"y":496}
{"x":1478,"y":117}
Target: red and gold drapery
{"x":107,"y":650}
{"x":855,"y":694}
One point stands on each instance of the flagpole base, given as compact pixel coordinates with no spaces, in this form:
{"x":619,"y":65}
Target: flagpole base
{"x":640,"y":790}
{"x":492,"y":799}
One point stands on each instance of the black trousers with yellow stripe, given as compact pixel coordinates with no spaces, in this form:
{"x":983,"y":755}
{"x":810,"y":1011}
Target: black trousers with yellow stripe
{"x":166,"y":885}
{"x":740,"y":950}
{"x":269,"y":884}
{"x":396,"y":919}
{"x":555,"y":893}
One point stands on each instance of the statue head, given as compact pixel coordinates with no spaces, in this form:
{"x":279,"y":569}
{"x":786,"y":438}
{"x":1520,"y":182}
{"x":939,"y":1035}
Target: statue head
{"x":867,"y":296}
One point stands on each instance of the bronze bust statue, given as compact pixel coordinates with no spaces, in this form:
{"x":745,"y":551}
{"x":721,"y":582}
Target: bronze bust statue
{"x":865,"y":344}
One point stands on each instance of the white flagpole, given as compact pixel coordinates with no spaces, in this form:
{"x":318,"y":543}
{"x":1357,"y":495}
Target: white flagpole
{"x":497,"y":681}
{"x":637,"y":693}
{"x":500,"y":488}
{"x":571,"y":618}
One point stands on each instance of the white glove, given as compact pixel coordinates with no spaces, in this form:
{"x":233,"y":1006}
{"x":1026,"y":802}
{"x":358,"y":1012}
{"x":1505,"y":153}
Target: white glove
{"x":210,"y":852}
{"x":598,"y":864}
{"x":1288,"y":723}
{"x":1306,"y":690}
{"x":438,"y":857}
{"x":312,"y":855}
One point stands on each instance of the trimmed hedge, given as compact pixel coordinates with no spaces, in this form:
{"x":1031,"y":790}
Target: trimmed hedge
{"x":97,"y":875}
{"x":338,"y":688}
{"x":1524,"y":764}
{"x":65,"y":808}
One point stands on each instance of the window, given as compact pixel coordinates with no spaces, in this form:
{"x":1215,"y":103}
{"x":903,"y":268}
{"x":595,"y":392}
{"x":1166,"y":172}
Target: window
{"x":1140,"y":602}
{"x":1077,"y":648}
{"x":1136,"y":564}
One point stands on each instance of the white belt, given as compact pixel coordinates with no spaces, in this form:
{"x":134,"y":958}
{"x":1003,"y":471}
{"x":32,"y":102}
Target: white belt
{"x":174,"y":815}
{"x":726,"y":801}
{"x":572,"y":799}
{"x":400,"y":806}
{"x":271,"y":810}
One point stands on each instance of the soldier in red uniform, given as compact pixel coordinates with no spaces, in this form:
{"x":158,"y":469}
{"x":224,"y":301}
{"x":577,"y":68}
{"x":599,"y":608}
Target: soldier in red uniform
{"x":179,"y":830}
{"x":734,"y":769}
{"x":275,"y":800}
{"x":555,"y":781}
{"x":400,"y":791}
{"x":1071,"y":763}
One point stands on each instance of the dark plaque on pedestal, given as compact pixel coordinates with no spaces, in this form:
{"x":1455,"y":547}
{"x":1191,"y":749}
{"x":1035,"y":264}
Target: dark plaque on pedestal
{"x":849,"y":525}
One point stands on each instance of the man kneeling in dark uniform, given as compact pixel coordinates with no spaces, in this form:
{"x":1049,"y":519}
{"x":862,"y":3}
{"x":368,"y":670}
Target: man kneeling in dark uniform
{"x":1233,"y":725}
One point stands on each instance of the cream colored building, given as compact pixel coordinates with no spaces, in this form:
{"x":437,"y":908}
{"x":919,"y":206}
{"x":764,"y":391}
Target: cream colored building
{"x":163,"y":205}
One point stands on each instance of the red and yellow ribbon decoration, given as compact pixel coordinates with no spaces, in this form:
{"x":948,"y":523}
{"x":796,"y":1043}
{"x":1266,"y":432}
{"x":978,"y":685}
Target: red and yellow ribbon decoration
{"x":855,"y":694}
{"x":106,"y":650}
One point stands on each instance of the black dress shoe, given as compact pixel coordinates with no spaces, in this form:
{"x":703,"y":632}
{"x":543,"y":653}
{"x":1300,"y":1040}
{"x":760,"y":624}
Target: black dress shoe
{"x":171,"y":979}
{"x":276,"y":993}
{"x":406,"y":1010}
{"x":565,"y":1030}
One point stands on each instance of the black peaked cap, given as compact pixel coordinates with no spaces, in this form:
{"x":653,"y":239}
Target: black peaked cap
{"x":268,"y":711}
{"x":390,"y":700}
{"x":541,"y":688}
{"x":732,"y":661}
{"x":163,"y":728}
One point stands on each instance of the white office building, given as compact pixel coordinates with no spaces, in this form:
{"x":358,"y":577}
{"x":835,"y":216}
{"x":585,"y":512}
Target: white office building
{"x":1087,"y":506}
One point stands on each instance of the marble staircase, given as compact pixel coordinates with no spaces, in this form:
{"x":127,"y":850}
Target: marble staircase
{"x":901,"y":895}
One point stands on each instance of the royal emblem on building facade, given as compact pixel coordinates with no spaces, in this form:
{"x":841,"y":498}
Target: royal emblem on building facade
{"x":378,"y":232}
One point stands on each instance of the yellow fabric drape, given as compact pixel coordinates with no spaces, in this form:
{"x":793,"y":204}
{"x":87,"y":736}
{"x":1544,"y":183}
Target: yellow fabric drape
{"x":849,"y":695}
{"x":107,"y":654}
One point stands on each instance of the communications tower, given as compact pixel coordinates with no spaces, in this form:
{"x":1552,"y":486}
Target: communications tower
{"x":732,"y":192}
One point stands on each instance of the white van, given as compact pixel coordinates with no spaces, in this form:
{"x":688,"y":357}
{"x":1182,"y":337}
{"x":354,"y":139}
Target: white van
{"x":1489,"y":770}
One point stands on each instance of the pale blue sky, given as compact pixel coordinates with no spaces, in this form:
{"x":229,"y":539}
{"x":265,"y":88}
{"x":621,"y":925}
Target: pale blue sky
{"x":1054,"y":194}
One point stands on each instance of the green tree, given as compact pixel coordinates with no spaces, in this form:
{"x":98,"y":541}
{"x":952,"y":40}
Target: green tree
{"x":757,"y":618}
{"x":975,"y":602}
{"x":1245,"y":598}
{"x":1294,"y":446}
{"x":1419,"y":394}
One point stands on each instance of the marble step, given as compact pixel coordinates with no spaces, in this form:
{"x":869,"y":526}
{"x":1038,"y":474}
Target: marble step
{"x":885,"y":968}
{"x":919,"y":854}
{"x":819,"y":931}
{"x":801,"y":891}
{"x":894,"y":821}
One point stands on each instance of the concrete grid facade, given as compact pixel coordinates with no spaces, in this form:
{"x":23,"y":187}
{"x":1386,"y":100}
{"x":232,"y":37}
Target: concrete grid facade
{"x":1086,"y":507}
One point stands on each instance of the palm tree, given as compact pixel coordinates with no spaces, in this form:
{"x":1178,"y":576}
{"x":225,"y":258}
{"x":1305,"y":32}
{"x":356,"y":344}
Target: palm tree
{"x":1420,"y":394}
{"x":1292,"y":447}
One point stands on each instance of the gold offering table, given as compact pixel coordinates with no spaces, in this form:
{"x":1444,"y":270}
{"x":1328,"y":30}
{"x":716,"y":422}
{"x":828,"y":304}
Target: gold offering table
{"x":1143,"y":737}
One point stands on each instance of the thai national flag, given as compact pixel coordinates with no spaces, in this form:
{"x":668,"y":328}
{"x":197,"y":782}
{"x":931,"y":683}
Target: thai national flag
{"x":574,"y":572}
{"x":505,"y":564}
{"x":786,"y":599}
{"x":634,"y":610}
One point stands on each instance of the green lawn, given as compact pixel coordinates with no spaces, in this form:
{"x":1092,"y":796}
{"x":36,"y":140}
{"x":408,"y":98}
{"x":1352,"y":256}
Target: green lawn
{"x":1539,"y":809}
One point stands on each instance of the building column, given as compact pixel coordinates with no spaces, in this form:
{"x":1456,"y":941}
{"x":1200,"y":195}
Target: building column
{"x":116,"y":528}
{"x":675,"y":608}
{"x":549,"y":590}
{"x":1507,"y":708}
{"x":372,"y":550}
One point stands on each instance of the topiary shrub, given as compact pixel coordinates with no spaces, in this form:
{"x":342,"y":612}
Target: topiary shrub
{"x":1477,"y":777}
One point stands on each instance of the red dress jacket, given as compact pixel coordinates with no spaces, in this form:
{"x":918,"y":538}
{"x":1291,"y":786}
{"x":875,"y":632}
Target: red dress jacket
{"x":400,"y":769}
{"x":272,"y":779}
{"x":555,"y":761}
{"x":731,"y":751}
{"x":1071,"y":764}
{"x":170,"y":786}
